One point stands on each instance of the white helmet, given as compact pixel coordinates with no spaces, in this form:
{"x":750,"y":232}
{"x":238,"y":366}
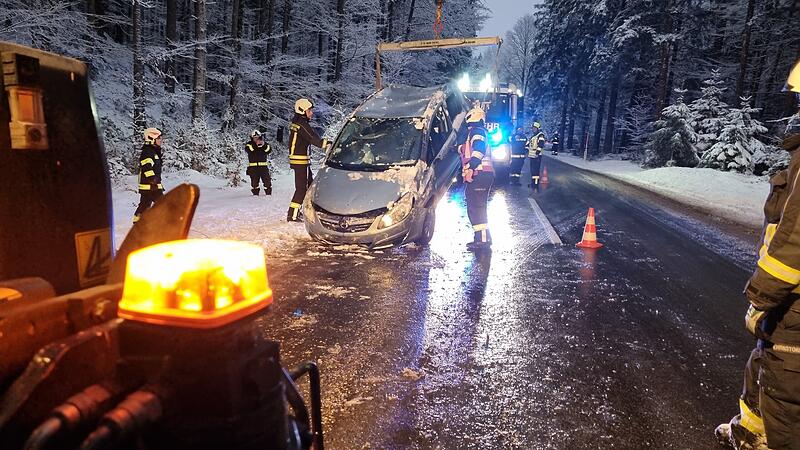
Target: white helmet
{"x":255,"y":134}
{"x":302,"y":105}
{"x":476,"y":115}
{"x":151,"y":134}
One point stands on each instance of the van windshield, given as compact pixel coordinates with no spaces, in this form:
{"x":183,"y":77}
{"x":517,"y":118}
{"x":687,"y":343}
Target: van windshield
{"x":367,"y":142}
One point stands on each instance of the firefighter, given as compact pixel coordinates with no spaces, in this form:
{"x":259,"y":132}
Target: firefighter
{"x":478,"y":175}
{"x":535,"y":148}
{"x":770,"y":402}
{"x":556,"y":142}
{"x":301,"y":135}
{"x":519,"y":152}
{"x":150,"y":188}
{"x":257,"y":168}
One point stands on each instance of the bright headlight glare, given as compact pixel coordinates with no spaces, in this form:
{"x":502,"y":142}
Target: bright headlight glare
{"x":500,"y":152}
{"x":397,"y":212}
{"x":464,"y":83}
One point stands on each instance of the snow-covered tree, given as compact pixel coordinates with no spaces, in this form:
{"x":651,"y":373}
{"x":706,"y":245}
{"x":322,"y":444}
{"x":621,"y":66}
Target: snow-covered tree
{"x":635,"y":125}
{"x":672,"y":141}
{"x":738,"y":146}
{"x":709,"y":113}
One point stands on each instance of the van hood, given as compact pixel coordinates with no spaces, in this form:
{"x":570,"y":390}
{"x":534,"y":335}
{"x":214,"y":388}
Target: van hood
{"x":348,"y":192}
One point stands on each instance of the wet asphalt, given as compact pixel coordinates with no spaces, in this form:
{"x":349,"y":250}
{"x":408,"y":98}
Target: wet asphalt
{"x":533,"y":346}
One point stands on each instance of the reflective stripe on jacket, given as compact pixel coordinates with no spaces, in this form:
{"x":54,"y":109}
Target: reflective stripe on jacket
{"x":301,"y":136}
{"x":477,"y":145}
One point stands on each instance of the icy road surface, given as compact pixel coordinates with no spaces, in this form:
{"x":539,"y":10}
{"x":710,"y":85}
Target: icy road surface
{"x":534,"y":346}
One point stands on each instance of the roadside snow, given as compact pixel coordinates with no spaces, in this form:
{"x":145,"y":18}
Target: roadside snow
{"x":224,"y":212}
{"x":733,"y":196}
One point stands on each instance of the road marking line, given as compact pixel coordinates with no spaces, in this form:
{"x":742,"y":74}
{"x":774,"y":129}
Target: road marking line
{"x":548,"y":227}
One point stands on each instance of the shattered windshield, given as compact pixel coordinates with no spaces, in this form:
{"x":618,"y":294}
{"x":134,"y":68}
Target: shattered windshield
{"x":377,"y":142}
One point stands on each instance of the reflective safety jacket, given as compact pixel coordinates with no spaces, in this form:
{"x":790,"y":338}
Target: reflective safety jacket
{"x":519,"y":143}
{"x":556,"y":143}
{"x":536,"y":145}
{"x":257,"y":154}
{"x":150,"y":169}
{"x":301,"y":135}
{"x":476,"y":153}
{"x":775,"y":284}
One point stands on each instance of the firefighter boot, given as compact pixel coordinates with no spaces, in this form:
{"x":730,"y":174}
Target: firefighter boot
{"x":482,"y":241}
{"x":254,"y":191}
{"x":734,"y":435}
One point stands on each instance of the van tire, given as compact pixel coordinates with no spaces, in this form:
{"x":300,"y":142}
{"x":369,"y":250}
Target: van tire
{"x":428,"y":227}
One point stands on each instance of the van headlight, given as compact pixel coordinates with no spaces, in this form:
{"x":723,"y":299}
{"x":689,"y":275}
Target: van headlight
{"x":397,"y":212}
{"x":500,"y":153}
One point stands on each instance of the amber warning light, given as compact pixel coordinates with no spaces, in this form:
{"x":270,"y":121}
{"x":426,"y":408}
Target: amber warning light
{"x":195,"y":283}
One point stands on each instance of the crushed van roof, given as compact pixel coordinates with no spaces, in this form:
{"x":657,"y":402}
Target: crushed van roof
{"x":398,"y":101}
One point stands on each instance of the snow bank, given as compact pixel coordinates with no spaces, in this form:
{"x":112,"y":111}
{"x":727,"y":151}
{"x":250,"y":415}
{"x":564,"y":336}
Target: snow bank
{"x":733,"y":196}
{"x":224,"y":212}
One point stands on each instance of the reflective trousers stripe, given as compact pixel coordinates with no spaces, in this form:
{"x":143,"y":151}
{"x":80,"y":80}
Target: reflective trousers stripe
{"x":294,"y":205}
{"x":750,"y":420}
{"x":146,"y":187}
{"x":480,"y":227}
{"x":257,"y":164}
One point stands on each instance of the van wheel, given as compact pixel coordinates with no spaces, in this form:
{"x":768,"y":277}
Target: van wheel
{"x":427,"y":228}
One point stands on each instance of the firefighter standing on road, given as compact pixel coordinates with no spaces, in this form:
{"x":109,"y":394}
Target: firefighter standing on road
{"x":478,"y":174}
{"x":556,"y":144}
{"x":770,"y":402}
{"x":150,"y":188}
{"x":301,"y":135}
{"x":257,"y":166}
{"x":535,"y":148}
{"x":519,"y":152}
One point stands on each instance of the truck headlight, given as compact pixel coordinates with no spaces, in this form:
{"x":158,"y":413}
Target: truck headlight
{"x":196,"y":283}
{"x":397,"y":212}
{"x":500,"y":153}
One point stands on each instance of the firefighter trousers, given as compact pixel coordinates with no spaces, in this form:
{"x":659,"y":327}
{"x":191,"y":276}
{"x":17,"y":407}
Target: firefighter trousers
{"x":477,"y":194}
{"x":302,"y":180}
{"x":260,"y":173}
{"x":517,"y":161}
{"x":536,"y":167}
{"x":770,"y":401}
{"x":146,"y":200}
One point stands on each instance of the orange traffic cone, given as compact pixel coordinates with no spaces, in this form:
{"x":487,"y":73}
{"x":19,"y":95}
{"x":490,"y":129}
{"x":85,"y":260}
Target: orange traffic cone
{"x":545,"y":180}
{"x":589,"y":233}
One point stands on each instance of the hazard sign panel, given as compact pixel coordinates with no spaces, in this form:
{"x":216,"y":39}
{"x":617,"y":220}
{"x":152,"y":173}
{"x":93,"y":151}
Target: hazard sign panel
{"x":93,"y":249}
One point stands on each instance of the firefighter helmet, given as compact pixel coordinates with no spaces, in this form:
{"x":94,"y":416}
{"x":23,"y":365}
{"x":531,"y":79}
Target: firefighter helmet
{"x":151,"y":134}
{"x":537,"y":125}
{"x":302,"y":105}
{"x":255,"y":134}
{"x":475,"y":115}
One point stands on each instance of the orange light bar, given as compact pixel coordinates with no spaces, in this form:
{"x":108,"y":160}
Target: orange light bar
{"x":196,"y":283}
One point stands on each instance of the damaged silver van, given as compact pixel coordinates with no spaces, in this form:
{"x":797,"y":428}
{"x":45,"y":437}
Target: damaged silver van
{"x":393,"y":160}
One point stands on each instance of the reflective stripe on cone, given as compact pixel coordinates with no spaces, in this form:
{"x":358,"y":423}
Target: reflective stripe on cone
{"x":589,"y":233}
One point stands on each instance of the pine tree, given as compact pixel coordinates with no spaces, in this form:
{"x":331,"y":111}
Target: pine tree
{"x":709,"y":113}
{"x":738,"y":147}
{"x":672,"y":141}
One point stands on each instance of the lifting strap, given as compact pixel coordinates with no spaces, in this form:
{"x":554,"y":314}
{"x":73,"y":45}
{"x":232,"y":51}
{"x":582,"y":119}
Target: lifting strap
{"x":438,"y":25}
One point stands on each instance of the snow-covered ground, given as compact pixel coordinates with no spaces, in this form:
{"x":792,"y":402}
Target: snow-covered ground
{"x":224,"y":212}
{"x":733,"y":196}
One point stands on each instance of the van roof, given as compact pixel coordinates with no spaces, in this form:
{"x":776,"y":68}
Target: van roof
{"x":398,"y":101}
